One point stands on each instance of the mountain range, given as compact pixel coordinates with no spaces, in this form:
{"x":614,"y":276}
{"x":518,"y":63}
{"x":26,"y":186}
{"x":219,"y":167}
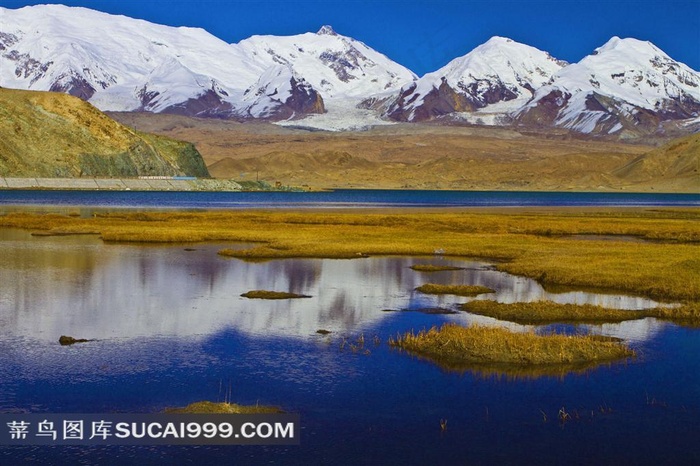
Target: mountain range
{"x":625,"y":88}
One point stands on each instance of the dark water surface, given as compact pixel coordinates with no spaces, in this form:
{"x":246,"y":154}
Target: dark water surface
{"x":171,"y":329}
{"x":342,"y":198}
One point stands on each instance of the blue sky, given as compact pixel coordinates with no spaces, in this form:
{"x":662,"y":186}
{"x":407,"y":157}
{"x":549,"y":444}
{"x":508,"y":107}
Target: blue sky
{"x":425,"y":35}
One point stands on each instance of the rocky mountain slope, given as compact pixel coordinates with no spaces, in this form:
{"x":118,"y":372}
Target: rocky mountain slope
{"x":47,"y":134}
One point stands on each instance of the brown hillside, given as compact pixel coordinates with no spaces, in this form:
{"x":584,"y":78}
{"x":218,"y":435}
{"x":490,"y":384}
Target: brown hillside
{"x":676,"y":164}
{"x":409,"y":156}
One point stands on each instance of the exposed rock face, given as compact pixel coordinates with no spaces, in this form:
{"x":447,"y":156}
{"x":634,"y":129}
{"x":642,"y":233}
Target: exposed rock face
{"x":74,"y":85}
{"x":437,"y":102}
{"x":208,"y":104}
{"x":304,"y":98}
{"x":280,"y":94}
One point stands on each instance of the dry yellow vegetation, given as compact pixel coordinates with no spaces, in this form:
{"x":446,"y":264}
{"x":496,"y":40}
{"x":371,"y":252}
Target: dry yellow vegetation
{"x":455,"y":346}
{"x":264,"y":294}
{"x":434,"y":268}
{"x":547,"y":312}
{"x":548,"y":245}
{"x":209,"y":407}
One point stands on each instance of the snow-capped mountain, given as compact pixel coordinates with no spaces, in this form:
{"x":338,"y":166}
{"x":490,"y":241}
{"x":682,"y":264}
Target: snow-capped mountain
{"x":118,"y":63}
{"x":329,"y":81}
{"x":280,"y":93}
{"x":124,"y":64}
{"x":626,"y":84}
{"x":338,"y":67}
{"x":498,"y":71}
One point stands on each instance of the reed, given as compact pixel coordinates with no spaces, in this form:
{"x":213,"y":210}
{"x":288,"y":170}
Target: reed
{"x":434,"y":268}
{"x":457,"y":290}
{"x":209,"y":407}
{"x":547,"y":312}
{"x":264,"y":294}
{"x":454,"y":345}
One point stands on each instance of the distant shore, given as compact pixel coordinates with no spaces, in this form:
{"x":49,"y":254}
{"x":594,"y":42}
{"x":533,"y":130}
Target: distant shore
{"x":129,"y":184}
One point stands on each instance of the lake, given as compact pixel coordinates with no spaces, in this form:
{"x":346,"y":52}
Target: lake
{"x":342,"y":198}
{"x":171,"y":328}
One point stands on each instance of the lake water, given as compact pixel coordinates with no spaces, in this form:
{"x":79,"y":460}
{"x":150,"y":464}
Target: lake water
{"x":171,"y":329}
{"x":342,"y":198}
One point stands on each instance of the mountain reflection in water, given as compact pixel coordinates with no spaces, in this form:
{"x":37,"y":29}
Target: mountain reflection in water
{"x":76,"y":285}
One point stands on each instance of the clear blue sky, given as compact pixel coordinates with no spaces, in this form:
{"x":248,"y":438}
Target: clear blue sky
{"x":425,"y":35}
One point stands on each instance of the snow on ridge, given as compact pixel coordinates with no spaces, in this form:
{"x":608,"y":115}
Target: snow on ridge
{"x":335,"y":65}
{"x":55,"y":42}
{"x":121,"y":63}
{"x":497,"y":71}
{"x":629,"y":69}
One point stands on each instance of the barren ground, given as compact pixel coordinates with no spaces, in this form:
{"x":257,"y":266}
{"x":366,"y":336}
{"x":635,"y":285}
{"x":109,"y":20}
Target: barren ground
{"x":414,"y":156}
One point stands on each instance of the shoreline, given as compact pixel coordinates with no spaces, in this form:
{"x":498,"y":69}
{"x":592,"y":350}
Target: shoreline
{"x":118,"y":184}
{"x":178,"y":184}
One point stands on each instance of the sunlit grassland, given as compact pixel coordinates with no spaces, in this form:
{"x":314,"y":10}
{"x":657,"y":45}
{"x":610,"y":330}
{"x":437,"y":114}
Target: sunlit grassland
{"x":264,"y":294}
{"x":209,"y":407}
{"x":434,"y":268}
{"x":454,"y":346}
{"x":457,"y":290}
{"x":547,"y":312}
{"x":535,"y":244}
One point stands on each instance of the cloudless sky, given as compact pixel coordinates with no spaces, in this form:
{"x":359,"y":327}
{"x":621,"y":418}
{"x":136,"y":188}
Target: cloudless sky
{"x":425,"y":35}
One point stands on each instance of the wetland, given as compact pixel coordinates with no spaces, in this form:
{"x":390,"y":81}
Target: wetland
{"x":159,"y":294}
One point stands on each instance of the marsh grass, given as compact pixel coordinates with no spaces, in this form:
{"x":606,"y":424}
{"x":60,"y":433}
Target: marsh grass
{"x":209,"y":407}
{"x":687,"y":313}
{"x":454,"y":347}
{"x":264,"y":294}
{"x":547,"y":312}
{"x":457,"y":290}
{"x":434,"y":268}
{"x":522,"y":243}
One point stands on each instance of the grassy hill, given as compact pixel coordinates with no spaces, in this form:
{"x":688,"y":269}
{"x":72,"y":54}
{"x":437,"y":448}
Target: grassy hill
{"x":46,"y":134}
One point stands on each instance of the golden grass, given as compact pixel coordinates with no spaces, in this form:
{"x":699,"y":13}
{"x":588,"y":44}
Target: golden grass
{"x":434,"y":268}
{"x":521,"y":242}
{"x":546,"y":312}
{"x":457,"y":290}
{"x":687,"y":313}
{"x":209,"y":407}
{"x":264,"y":294}
{"x":454,"y":346}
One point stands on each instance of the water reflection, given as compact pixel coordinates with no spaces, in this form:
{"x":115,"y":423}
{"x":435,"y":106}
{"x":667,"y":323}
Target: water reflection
{"x":78,"y":286}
